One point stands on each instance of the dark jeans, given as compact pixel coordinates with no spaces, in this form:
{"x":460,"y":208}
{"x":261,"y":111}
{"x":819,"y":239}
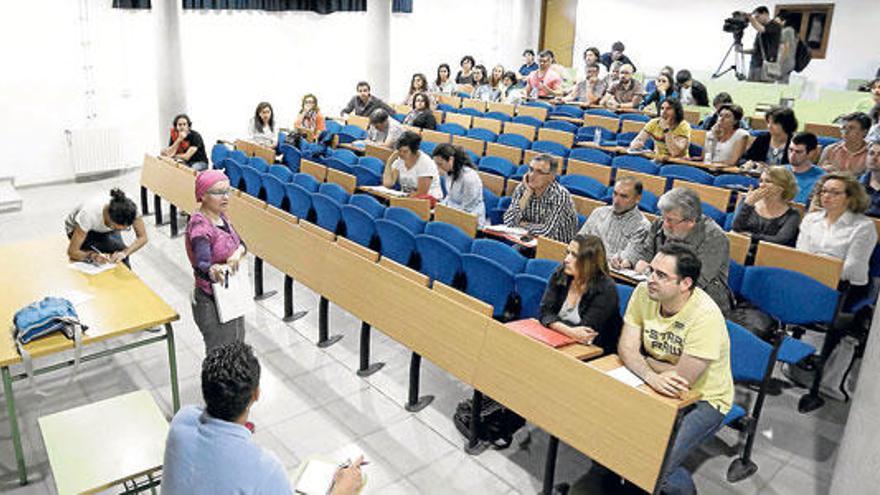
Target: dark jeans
{"x":214,"y":333}
{"x":105,"y":242}
{"x":697,"y":425}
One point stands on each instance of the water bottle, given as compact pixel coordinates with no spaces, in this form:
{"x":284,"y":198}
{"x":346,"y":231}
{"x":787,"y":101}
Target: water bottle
{"x":710,"y":147}
{"x":597,"y":136}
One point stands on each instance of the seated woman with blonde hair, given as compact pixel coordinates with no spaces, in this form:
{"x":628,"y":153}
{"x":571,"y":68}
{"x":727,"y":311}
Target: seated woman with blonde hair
{"x":766,"y":213}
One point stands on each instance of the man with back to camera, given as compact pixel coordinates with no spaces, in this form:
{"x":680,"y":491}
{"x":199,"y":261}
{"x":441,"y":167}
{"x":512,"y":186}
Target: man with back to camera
{"x":675,"y":339}
{"x":540,"y":204}
{"x":363,"y":103}
{"x":211,"y":450}
{"x":766,"y":45}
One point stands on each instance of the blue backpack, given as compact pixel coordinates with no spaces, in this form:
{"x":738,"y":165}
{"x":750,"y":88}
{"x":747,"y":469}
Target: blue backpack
{"x":41,"y":318}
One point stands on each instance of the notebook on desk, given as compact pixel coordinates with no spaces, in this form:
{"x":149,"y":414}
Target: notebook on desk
{"x":533,"y":328}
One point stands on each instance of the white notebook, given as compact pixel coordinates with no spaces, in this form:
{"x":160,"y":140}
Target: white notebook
{"x":234,"y":297}
{"x":315,"y":476}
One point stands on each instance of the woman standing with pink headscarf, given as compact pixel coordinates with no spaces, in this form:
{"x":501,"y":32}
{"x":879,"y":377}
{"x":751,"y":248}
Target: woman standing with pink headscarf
{"x":213,"y":248}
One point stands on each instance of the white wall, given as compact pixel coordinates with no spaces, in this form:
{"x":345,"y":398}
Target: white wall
{"x":687,"y":34}
{"x":44,"y":83}
{"x":232,"y":60}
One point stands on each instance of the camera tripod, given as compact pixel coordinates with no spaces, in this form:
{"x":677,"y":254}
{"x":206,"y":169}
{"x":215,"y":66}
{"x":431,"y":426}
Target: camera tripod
{"x":738,"y":60}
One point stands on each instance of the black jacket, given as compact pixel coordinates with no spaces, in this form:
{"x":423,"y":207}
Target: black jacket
{"x":758,"y":150}
{"x":699,"y":92}
{"x":598,"y":308}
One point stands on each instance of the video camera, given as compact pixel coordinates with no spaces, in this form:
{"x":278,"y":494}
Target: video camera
{"x":736,"y":24}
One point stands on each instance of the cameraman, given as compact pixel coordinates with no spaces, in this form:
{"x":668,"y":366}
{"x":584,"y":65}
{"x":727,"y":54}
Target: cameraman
{"x":766,"y":45}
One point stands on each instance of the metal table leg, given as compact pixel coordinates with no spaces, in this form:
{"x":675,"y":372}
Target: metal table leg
{"x":324,"y":338}
{"x":365,"y":368}
{"x":13,"y":426}
{"x":259,"y":295}
{"x":550,"y":465}
{"x":172,"y":366}
{"x":289,"y":313}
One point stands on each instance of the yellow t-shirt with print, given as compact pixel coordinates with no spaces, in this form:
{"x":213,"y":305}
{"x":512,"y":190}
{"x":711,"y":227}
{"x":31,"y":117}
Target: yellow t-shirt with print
{"x":655,"y":129}
{"x":698,"y":330}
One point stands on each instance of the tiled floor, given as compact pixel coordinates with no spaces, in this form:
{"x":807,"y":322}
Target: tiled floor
{"x":313,"y":403}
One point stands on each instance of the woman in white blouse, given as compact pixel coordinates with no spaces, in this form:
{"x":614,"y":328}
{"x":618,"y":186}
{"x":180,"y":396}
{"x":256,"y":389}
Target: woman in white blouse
{"x":730,"y":140}
{"x":262,"y":126}
{"x":464,"y":189}
{"x":840,"y":229}
{"x":443,"y":83}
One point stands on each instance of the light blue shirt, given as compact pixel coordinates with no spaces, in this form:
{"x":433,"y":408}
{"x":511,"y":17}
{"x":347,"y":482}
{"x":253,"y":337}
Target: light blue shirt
{"x":205,"y":455}
{"x":466,"y":194}
{"x":806,"y":181}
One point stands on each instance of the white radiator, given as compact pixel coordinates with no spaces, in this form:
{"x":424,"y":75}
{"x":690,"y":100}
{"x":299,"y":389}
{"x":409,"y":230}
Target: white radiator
{"x":96,"y":150}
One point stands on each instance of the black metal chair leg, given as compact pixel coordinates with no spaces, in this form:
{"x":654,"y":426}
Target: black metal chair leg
{"x":324,"y":339}
{"x":365,"y":368}
{"x":259,"y":294}
{"x":550,"y":465}
{"x":415,"y":403}
{"x":289,"y":314}
{"x":474,"y":446}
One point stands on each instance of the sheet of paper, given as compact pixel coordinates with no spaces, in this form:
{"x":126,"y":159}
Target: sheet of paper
{"x":235,"y":298}
{"x":316,"y":477}
{"x":626,"y":272}
{"x":90,"y":269}
{"x":517,"y":231}
{"x":386,"y":190}
{"x":75,"y":297}
{"x":626,"y":376}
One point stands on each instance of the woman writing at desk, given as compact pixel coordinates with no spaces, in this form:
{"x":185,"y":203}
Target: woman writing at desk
{"x":413,"y":169}
{"x":213,"y":248}
{"x":581,"y":299}
{"x":94,"y":230}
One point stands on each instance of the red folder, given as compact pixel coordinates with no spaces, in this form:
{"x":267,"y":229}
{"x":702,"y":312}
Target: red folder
{"x":533,"y":328}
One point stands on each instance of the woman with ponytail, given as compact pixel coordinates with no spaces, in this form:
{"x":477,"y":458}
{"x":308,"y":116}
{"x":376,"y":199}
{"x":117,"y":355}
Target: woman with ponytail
{"x":94,"y":229}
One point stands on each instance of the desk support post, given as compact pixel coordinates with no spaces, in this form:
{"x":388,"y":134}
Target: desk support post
{"x":550,"y":465}
{"x":259,"y":294}
{"x":664,"y":465}
{"x":13,"y":426}
{"x":289,"y":314}
{"x":157,"y":206}
{"x":324,"y":338}
{"x":172,"y":213}
{"x":365,"y":368}
{"x":172,"y":366}
{"x":145,"y":207}
{"x":474,"y":446}
{"x":414,"y":403}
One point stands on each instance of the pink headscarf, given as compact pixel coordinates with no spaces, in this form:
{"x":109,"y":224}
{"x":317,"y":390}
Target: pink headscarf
{"x":206,"y":179}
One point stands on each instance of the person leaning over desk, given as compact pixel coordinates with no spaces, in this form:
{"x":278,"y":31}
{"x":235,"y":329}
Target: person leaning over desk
{"x":94,"y":227}
{"x":214,"y":249}
{"x":581,"y":299}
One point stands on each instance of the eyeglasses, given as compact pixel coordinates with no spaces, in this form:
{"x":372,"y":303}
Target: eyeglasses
{"x":672,"y":222}
{"x":832,"y":192}
{"x":220,"y":192}
{"x":538,"y":171}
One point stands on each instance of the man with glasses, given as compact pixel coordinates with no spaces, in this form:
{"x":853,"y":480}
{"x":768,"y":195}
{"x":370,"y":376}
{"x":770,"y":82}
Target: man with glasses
{"x":626,"y":93}
{"x":682,"y":220}
{"x":848,"y":155}
{"x":675,"y":339}
{"x":620,"y":223}
{"x":588,"y":91}
{"x":805,"y":173}
{"x":540,"y":205}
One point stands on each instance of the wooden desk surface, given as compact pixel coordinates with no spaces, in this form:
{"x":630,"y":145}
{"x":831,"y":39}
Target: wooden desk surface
{"x":549,"y":392}
{"x":129,"y":442}
{"x":174,"y":182}
{"x":119,"y":302}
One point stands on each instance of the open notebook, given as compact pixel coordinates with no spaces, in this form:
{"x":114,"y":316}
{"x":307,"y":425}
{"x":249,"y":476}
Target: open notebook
{"x":314,"y":476}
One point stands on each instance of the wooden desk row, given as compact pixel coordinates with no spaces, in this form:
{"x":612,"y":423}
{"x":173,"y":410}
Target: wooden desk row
{"x":254,"y":149}
{"x":628,"y":430}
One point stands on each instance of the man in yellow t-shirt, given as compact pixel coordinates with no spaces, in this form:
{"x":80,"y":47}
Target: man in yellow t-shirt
{"x":686,"y":347}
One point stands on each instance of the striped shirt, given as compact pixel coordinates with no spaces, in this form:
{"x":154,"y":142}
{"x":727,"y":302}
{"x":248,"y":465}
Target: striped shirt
{"x":616,"y":231}
{"x":551,"y":214}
